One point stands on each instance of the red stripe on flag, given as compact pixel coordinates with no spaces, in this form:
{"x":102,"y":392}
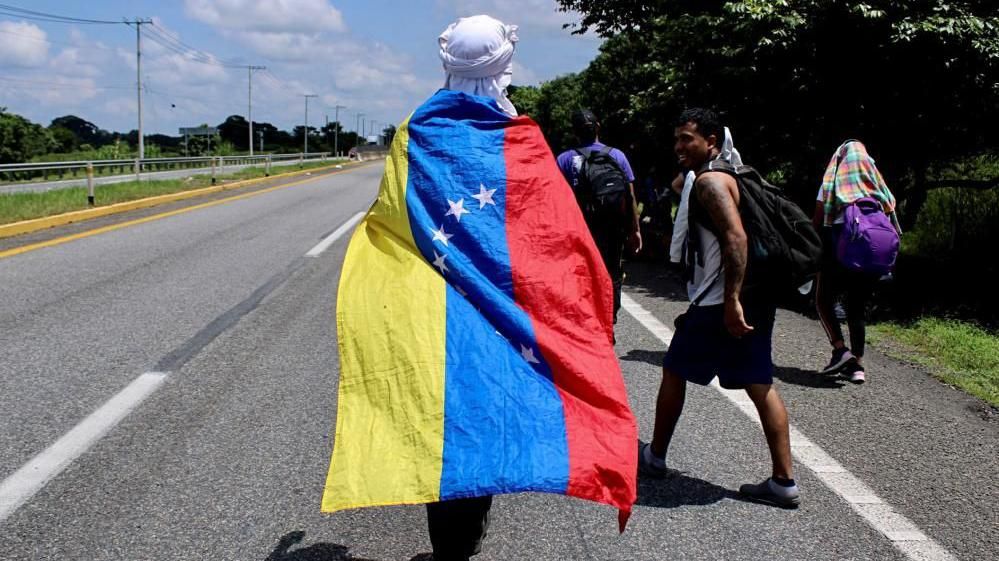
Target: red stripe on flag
{"x":559,"y":280}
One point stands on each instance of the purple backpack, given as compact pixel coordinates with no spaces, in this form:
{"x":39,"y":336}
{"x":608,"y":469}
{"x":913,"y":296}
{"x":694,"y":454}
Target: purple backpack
{"x":869,"y":242}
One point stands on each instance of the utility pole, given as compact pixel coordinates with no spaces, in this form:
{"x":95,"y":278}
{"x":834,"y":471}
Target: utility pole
{"x":249,"y":100}
{"x":357,"y":129}
{"x":336,"y":132}
{"x":327,"y":128}
{"x":307,"y":96}
{"x":138,"y":76}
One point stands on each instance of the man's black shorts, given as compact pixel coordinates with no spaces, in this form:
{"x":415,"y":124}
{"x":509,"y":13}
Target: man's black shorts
{"x":702,"y":348}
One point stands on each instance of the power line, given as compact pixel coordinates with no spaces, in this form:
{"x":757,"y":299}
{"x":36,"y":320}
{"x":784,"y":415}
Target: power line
{"x":173,"y":38}
{"x":174,"y":44}
{"x":14,"y":11}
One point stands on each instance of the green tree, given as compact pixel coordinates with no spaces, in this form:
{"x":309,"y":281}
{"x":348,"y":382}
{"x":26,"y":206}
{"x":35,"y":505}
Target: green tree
{"x":388,"y":133}
{"x":525,"y":99}
{"x":83,"y":130}
{"x":65,"y":140}
{"x":21,"y":140}
{"x":917,"y":81}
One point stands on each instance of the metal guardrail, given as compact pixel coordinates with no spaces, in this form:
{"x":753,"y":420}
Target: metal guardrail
{"x":44,"y":171}
{"x":154,"y":164}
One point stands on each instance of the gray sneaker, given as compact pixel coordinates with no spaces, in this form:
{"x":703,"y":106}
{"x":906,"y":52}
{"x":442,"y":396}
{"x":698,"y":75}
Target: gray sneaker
{"x":771,"y":493}
{"x":645,"y":467}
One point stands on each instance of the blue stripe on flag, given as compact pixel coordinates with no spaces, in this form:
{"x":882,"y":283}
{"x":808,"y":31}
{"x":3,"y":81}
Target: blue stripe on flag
{"x":504,"y":427}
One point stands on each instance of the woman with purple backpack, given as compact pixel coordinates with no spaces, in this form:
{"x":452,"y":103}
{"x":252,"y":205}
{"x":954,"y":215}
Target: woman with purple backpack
{"x":855,"y":212}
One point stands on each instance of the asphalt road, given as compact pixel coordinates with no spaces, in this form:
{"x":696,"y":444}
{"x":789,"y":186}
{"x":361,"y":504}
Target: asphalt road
{"x":227,"y":458}
{"x":42,"y":186}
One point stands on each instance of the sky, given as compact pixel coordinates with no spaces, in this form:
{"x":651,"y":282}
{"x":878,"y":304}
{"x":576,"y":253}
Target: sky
{"x":375,"y":57}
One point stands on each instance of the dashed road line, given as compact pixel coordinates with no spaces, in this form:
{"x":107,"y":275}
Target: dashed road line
{"x":881,"y":516}
{"x":332,"y":238}
{"x":21,"y":485}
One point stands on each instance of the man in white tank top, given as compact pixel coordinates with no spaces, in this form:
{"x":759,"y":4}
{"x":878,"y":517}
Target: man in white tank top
{"x":727,"y":331}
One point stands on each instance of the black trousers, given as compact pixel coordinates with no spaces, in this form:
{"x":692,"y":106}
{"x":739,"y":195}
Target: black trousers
{"x":457,"y":527}
{"x":836,"y":281}
{"x":610,"y":243}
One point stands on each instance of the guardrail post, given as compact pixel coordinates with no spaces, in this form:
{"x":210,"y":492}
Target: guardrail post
{"x":90,"y":184}
{"x":301,"y":160}
{"x":267,"y":166}
{"x":138,"y":168}
{"x":221,"y":165}
{"x":213,"y":171}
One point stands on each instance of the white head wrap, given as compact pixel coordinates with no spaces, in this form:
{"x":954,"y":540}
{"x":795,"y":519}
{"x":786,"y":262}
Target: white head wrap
{"x":477,"y":53}
{"x":681,"y":224}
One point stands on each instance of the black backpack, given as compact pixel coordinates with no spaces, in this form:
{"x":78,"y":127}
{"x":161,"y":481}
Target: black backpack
{"x":602,"y":188}
{"x":784,"y":249}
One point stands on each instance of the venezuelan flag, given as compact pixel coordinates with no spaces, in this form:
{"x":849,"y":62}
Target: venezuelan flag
{"x":474,"y":319}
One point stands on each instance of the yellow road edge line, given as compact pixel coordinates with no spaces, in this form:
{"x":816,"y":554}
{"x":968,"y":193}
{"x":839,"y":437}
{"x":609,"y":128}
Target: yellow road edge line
{"x":58,"y":241}
{"x":36,"y":224}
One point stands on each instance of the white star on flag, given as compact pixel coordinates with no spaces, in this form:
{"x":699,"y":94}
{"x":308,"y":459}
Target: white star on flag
{"x":485,"y":196}
{"x":528,"y":354}
{"x":457,"y":209}
{"x":441,"y":235}
{"x":439,"y":262}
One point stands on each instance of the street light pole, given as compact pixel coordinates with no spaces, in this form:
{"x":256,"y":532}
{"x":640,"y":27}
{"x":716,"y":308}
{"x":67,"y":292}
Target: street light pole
{"x":336,"y":132}
{"x":307,"y":96}
{"x":249,"y":100}
{"x":138,"y":77}
{"x":357,"y":129}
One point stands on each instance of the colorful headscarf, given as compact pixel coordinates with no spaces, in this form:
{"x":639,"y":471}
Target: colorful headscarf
{"x":851,"y":175}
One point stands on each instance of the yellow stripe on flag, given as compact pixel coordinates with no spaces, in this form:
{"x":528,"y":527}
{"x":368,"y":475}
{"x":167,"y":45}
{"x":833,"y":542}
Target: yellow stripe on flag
{"x":390,"y":412}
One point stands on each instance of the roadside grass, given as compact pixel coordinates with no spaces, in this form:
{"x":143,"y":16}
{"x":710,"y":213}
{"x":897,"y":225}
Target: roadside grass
{"x":958,"y":353}
{"x":15,"y":207}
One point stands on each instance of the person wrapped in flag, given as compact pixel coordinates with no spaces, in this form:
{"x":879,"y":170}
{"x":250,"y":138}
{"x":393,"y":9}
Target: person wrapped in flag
{"x":474,"y":319}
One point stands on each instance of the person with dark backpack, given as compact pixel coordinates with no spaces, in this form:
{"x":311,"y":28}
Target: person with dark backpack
{"x":603,"y":182}
{"x":856,"y":214}
{"x":744,"y":240}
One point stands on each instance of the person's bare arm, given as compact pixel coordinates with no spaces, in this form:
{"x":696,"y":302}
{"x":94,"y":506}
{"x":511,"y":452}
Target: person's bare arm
{"x":718,"y":193}
{"x":819,"y":215}
{"x":636,"y":227}
{"x":677,"y":184}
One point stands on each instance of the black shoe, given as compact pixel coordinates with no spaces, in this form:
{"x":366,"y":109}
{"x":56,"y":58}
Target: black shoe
{"x":646,"y":467}
{"x":839,"y":359}
{"x":765,"y":493}
{"x":855,"y":372}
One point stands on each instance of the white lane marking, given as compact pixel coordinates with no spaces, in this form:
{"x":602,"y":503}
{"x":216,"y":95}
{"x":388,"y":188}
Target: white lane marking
{"x":903,"y":534}
{"x":21,"y":485}
{"x":337,"y":234}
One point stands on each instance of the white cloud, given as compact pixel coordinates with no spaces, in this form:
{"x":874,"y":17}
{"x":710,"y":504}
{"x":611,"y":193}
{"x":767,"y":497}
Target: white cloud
{"x":22,"y":44}
{"x":281,"y":46}
{"x":524,"y":76}
{"x":276,"y":16}
{"x":73,"y":61}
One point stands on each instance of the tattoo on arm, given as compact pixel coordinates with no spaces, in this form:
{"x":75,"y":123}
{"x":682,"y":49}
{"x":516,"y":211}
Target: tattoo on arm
{"x":717,"y":192}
